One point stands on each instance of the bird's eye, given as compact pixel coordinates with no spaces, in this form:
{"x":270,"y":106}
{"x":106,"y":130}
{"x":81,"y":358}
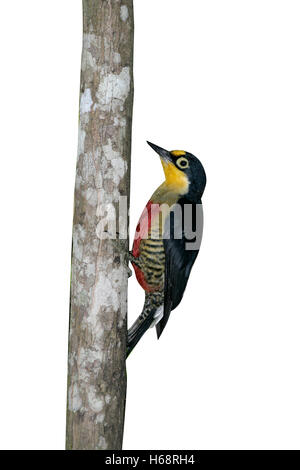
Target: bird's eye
{"x":182,"y":163}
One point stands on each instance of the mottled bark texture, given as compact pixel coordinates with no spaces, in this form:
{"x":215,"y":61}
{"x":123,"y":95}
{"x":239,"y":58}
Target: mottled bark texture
{"x":98,"y":310}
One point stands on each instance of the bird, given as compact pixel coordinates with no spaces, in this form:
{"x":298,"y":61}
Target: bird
{"x":167,"y":240}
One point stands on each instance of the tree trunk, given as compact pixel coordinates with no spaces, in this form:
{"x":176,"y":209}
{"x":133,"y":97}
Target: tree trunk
{"x":98,"y":305}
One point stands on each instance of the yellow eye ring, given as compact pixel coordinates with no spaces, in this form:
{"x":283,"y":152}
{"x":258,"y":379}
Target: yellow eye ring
{"x":182,"y":163}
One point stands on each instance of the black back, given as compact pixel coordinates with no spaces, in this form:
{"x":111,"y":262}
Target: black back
{"x":180,"y":253}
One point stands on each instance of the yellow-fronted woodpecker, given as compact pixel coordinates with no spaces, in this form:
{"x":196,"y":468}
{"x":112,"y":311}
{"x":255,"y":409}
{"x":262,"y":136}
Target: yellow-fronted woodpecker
{"x":167,"y":240}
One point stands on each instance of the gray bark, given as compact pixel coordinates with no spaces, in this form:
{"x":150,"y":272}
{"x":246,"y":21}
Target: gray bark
{"x":98,"y":305}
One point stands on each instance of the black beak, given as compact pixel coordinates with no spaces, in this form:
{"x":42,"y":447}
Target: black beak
{"x":164,"y":154}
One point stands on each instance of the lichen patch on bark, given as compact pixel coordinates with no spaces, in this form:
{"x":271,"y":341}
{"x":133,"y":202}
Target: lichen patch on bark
{"x":124,"y":13}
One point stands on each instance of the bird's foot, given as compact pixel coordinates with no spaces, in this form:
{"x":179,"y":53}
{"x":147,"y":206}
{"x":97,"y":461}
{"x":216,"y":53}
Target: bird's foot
{"x":134,"y":259}
{"x":129,"y":271}
{"x":123,"y":256}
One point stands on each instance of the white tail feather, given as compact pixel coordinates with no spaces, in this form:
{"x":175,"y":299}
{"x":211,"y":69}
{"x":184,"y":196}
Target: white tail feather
{"x":157,"y":316}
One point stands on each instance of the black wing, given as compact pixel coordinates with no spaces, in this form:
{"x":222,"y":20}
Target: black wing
{"x":182,"y":239}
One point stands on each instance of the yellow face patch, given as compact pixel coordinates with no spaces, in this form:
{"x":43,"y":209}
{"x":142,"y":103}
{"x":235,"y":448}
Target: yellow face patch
{"x":177,"y":153}
{"x":176,"y":179}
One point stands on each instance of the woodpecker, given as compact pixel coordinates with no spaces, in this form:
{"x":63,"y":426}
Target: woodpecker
{"x":167,"y":240}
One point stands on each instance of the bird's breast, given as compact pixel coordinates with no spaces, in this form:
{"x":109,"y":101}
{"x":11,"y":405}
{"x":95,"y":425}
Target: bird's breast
{"x":148,"y":243}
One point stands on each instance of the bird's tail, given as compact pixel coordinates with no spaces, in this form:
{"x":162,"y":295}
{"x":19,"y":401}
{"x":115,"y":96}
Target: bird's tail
{"x":141,"y":325}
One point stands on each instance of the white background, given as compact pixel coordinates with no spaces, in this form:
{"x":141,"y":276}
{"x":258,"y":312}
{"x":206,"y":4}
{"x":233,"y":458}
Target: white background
{"x":217,"y":78}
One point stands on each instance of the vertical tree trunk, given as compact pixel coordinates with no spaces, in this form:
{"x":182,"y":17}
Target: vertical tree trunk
{"x":98,"y":308}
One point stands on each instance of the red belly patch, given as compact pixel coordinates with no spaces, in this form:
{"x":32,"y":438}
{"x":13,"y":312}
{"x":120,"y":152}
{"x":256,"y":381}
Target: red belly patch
{"x":141,"y":279}
{"x":148,"y":215}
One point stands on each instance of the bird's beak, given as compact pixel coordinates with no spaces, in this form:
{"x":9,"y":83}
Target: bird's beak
{"x":164,"y":154}
{"x":175,"y":178}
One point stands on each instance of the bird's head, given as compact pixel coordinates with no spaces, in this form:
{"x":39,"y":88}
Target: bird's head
{"x":184,"y":173}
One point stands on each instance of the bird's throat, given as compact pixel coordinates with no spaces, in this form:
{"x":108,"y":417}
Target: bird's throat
{"x":176,"y":180}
